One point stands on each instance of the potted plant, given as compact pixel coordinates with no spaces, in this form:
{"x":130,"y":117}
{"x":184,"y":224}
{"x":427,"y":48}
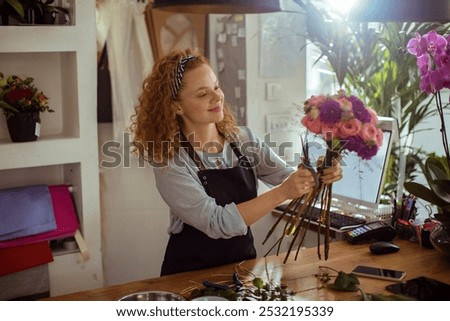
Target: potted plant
{"x":432,"y":51}
{"x":13,"y":9}
{"x":437,"y":175}
{"x":22,"y":104}
{"x":41,"y":11}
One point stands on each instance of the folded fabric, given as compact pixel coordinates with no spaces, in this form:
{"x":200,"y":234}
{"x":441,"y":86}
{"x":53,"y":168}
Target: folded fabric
{"x":23,"y":257}
{"x":25,"y":211}
{"x":65,"y":216}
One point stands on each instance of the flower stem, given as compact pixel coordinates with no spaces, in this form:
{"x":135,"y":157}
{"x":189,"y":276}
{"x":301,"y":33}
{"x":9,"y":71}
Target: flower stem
{"x":443,"y":129}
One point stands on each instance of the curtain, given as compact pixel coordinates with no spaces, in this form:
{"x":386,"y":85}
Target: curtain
{"x":121,"y":25}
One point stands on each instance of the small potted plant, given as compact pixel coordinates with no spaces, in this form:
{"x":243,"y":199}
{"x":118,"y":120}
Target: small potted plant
{"x":13,"y":9}
{"x":22,"y":104}
{"x":42,"y":11}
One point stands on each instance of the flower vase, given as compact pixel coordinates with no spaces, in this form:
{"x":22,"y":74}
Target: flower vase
{"x":23,"y":127}
{"x":440,"y":238}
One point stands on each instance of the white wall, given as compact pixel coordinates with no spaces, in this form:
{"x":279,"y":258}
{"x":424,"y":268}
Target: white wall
{"x":292,"y":92}
{"x":134,"y":216}
{"x":134,"y":219}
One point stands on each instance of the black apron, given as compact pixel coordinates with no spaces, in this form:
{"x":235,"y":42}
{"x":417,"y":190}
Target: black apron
{"x":192,"y":249}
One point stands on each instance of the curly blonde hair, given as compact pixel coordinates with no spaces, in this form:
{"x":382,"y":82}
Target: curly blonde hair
{"x":155,"y":126}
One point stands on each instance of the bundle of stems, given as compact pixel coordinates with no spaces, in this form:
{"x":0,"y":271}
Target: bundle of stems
{"x":298,"y":213}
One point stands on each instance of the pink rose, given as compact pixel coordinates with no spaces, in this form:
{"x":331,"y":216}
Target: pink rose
{"x":373,"y":116}
{"x":315,"y":100}
{"x":349,"y":128}
{"x":329,"y":131}
{"x":368,"y":133}
{"x":313,"y":125}
{"x":379,"y":137}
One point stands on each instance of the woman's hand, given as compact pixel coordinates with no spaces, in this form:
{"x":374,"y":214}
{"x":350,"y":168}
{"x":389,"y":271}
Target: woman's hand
{"x":332,"y":174}
{"x":298,"y":183}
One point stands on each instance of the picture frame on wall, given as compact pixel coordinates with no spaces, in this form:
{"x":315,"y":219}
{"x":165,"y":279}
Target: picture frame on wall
{"x":175,"y":31}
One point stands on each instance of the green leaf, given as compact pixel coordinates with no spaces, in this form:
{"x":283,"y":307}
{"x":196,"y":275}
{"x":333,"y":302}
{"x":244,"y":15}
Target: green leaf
{"x":345,"y":282}
{"x":8,"y":107}
{"x":444,"y":218}
{"x":441,"y":187}
{"x":424,"y":193}
{"x":258,"y":282}
{"x":435,"y":169}
{"x":17,"y":6}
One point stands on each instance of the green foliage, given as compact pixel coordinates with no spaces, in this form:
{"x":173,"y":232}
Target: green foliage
{"x":437,"y":174}
{"x":345,"y":282}
{"x":19,"y":9}
{"x":255,"y":289}
{"x":19,"y":95}
{"x":370,"y":60}
{"x":42,"y":6}
{"x":12,"y":8}
{"x":17,"y":6}
{"x":349,"y":282}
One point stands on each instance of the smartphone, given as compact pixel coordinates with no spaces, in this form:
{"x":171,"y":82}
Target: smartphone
{"x":379,"y":273}
{"x":423,"y":289}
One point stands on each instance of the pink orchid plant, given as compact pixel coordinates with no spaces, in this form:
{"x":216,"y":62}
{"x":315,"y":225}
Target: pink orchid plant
{"x":433,"y":60}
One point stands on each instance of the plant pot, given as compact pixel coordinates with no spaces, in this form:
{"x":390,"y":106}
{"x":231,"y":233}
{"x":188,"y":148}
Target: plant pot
{"x":33,"y":16}
{"x":23,"y":127}
{"x":440,"y":238}
{"x":4,"y":19}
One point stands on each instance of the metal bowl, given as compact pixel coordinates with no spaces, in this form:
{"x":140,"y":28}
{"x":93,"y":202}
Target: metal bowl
{"x":209,"y":298}
{"x":153,"y":296}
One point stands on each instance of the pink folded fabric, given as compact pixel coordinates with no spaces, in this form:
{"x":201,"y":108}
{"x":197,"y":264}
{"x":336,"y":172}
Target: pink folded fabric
{"x":65,"y":217}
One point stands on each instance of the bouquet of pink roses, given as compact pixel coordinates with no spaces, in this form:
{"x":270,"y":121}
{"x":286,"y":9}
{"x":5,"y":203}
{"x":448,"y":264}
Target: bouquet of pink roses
{"x":346,"y":125}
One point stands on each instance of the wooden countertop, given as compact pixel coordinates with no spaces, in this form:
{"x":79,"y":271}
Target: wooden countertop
{"x":299,"y":275}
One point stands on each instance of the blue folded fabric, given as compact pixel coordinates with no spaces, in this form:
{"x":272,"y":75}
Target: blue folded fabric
{"x":25,"y":211}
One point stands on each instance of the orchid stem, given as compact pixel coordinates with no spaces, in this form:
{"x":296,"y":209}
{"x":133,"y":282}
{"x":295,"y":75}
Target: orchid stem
{"x":443,"y":129}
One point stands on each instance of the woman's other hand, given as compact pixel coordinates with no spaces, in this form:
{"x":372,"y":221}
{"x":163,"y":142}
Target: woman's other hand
{"x":332,"y":174}
{"x":300,"y":182}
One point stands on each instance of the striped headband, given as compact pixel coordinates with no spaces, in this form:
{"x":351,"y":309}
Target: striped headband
{"x":179,"y":71}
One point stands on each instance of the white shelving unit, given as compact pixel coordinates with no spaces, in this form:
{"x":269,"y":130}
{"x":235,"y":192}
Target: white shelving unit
{"x":62,"y":60}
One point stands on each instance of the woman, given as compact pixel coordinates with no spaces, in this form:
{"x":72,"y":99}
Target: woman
{"x":206,"y":168}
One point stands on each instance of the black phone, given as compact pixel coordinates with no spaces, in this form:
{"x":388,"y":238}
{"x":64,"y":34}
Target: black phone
{"x":422,"y":289}
{"x":379,"y":273}
{"x":373,"y":231}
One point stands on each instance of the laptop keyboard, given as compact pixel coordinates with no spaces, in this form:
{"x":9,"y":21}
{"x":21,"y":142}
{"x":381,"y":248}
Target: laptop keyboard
{"x":337,"y":220}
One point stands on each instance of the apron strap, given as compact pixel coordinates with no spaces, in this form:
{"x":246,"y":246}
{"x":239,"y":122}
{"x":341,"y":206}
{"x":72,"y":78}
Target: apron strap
{"x":190,"y":150}
{"x":243,"y":160}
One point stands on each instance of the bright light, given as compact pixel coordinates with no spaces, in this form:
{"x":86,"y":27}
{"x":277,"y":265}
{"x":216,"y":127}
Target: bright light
{"x":343,"y":6}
